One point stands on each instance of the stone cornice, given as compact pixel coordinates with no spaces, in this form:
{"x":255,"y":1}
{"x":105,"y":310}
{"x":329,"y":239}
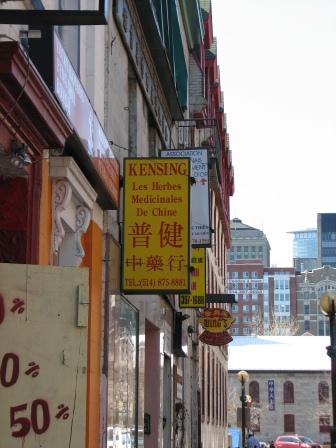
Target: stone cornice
{"x":67,"y":169}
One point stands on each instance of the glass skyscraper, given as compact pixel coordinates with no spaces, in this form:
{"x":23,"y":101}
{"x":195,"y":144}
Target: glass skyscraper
{"x":305,"y":249}
{"x":326,"y":233}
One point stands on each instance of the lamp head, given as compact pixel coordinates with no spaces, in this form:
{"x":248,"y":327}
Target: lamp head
{"x":19,"y":155}
{"x":248,"y":399}
{"x":328,"y":303}
{"x":243,"y":376}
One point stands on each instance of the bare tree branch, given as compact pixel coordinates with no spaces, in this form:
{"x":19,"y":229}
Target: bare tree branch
{"x":277,"y":325}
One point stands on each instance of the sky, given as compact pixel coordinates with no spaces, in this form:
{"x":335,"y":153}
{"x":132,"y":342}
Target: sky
{"x":277,"y":62}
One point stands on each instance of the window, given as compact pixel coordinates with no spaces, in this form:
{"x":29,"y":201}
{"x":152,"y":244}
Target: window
{"x":321,"y":327}
{"x":324,"y":423}
{"x":323,"y":392}
{"x":306,"y":309}
{"x":288,"y":392}
{"x":203,"y":381}
{"x":234,"y":308}
{"x":70,"y":35}
{"x":288,"y":439}
{"x":208,"y":386}
{"x":246,"y":308}
{"x":167,"y":19}
{"x":246,"y":319}
{"x":124,"y":325}
{"x":254,"y":391}
{"x":306,"y":325}
{"x":289,"y":423}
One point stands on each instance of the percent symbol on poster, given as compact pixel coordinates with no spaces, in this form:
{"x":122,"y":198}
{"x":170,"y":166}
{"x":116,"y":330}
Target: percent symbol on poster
{"x":18,"y":306}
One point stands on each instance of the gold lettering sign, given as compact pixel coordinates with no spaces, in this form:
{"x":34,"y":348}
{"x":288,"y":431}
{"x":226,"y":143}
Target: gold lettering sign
{"x":156,"y":229}
{"x":197,"y":298}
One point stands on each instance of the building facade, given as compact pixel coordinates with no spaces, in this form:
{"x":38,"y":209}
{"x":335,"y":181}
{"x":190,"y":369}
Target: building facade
{"x":289,"y":385}
{"x":326,"y":239}
{"x":248,"y":243}
{"x":124,"y":368}
{"x":304,"y":249}
{"x":309,"y":288}
{"x":266,"y":298}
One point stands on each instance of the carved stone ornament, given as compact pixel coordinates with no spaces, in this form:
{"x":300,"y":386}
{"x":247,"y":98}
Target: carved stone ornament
{"x":62,"y":193}
{"x":83,"y":217}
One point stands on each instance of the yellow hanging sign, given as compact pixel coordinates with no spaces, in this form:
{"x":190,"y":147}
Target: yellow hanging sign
{"x":156,"y":226}
{"x":197,"y":298}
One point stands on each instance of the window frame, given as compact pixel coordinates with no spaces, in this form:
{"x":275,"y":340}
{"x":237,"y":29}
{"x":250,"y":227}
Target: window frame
{"x":288,"y":392}
{"x":289,"y":423}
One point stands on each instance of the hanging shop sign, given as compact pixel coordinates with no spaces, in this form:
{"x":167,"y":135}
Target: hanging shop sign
{"x":245,"y":280}
{"x":197,"y":297}
{"x":76,"y":104}
{"x":156,"y":229}
{"x":95,"y":14}
{"x":245,"y":291}
{"x":200,"y":194}
{"x":220,"y":298}
{"x":271,"y":395}
{"x":215,"y":322}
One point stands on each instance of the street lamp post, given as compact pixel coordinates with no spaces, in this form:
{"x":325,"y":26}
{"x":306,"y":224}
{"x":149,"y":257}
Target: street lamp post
{"x":328,"y":308}
{"x":243,"y":378}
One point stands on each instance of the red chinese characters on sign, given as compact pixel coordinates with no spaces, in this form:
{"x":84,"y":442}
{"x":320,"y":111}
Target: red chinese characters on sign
{"x":140,"y":234}
{"x":171,"y":234}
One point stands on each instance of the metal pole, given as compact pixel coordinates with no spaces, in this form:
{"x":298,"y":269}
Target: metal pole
{"x":331,"y":350}
{"x":243,"y":400}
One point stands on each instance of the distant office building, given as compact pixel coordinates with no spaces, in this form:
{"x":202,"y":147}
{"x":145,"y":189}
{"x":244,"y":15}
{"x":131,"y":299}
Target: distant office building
{"x":248,"y":243}
{"x":280,"y":295}
{"x":326,"y":239}
{"x":245,"y":280}
{"x":309,"y":288}
{"x":304,"y":249}
{"x":266,"y":298}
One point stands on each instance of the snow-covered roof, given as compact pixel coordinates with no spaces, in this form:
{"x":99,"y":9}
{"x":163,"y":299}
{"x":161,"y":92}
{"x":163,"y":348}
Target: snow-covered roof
{"x":280,"y":353}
